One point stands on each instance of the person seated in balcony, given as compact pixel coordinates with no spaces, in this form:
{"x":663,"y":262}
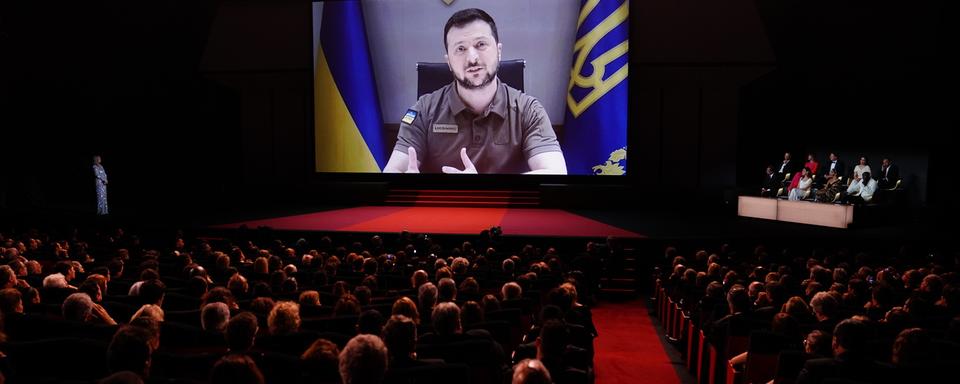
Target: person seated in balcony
{"x":803,"y":186}
{"x":861,"y":168}
{"x":771,"y":181}
{"x":830,"y":188}
{"x":862,"y":190}
{"x":889,"y":174}
{"x":812,"y":163}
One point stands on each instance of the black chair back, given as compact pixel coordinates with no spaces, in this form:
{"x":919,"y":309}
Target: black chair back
{"x":433,"y":76}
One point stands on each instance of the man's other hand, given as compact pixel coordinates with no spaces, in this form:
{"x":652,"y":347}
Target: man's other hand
{"x":468,"y":166}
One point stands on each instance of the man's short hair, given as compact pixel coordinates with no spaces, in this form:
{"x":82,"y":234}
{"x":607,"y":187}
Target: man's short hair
{"x":321,"y":362}
{"x":77,"y":307}
{"x":214,"y":317}
{"x":467,"y":16}
{"x":130,"y":350}
{"x":447,"y":290}
{"x":912,"y":346}
{"x":400,"y":335}
{"x":63,"y":267}
{"x":446,"y":318}
{"x":427,"y":296}
{"x":824,"y":304}
{"x":511,"y":290}
{"x":370,"y":322}
{"x":241,"y":331}
{"x":363,"y":360}
{"x":90,"y":287}
{"x":853,"y":335}
{"x":7,"y":275}
{"x":738,"y":299}
{"x":152,"y":291}
{"x":418,"y":278}
{"x":56,"y":280}
{"x":531,"y":371}
{"x":10,"y":300}
{"x":553,"y":338}
{"x":236,"y":368}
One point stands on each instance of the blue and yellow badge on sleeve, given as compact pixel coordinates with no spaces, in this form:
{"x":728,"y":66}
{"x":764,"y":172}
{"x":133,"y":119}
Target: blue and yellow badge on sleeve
{"x":409,"y":117}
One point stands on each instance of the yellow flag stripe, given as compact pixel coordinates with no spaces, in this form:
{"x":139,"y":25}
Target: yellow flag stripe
{"x":339,"y":145}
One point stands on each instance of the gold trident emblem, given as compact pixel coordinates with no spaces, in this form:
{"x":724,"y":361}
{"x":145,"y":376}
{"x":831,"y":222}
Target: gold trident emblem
{"x":584,"y":46}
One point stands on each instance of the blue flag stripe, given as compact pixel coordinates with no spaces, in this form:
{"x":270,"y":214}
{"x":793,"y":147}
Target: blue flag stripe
{"x":344,"y":40}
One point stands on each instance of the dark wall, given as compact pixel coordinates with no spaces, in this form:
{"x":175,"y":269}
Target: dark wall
{"x":861,"y":78}
{"x":199,"y":103}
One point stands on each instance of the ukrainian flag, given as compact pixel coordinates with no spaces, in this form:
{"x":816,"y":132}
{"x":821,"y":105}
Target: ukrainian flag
{"x":595,"y":127}
{"x":348,"y":125}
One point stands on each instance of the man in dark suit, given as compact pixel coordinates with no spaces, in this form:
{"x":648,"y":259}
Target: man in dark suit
{"x":836,"y":163}
{"x":851,"y":360}
{"x":771,"y":181}
{"x":786,"y":166}
{"x":889,"y":174}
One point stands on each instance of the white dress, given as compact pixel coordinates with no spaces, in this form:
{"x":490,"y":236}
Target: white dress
{"x":801,"y":189}
{"x":860,"y":169}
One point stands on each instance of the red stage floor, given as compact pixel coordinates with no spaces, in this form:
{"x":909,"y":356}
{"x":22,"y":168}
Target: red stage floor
{"x":442,"y":220}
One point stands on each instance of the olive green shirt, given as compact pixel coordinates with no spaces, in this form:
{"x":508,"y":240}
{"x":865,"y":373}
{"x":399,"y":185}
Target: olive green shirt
{"x":514,"y":128}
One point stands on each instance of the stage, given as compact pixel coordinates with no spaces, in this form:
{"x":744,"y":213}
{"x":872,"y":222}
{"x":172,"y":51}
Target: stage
{"x":442,"y":220}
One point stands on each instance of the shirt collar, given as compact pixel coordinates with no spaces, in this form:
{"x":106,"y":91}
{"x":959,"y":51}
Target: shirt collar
{"x":498,"y":105}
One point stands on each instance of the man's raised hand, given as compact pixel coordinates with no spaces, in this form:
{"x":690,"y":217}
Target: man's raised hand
{"x":413,"y":166}
{"x":468,"y":166}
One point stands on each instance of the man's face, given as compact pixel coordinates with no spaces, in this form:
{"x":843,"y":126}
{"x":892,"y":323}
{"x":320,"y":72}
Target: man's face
{"x":885,"y":163}
{"x":786,"y":156}
{"x":472,"y":54}
{"x":833,"y":157}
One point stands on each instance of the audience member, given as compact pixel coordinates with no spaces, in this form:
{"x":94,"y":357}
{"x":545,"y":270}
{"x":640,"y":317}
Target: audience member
{"x":363,"y":360}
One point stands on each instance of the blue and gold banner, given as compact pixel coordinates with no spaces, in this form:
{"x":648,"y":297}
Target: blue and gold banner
{"x":595,"y":127}
{"x":348,"y":123}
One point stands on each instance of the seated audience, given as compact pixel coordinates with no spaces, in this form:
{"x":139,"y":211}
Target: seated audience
{"x":804,"y":184}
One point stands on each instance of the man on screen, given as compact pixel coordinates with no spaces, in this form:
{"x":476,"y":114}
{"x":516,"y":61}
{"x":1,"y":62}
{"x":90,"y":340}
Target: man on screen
{"x":476,"y":124}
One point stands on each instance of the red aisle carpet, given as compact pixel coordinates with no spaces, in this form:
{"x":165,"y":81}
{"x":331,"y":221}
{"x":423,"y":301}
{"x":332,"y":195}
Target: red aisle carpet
{"x":628,"y":349}
{"x":443,"y":220}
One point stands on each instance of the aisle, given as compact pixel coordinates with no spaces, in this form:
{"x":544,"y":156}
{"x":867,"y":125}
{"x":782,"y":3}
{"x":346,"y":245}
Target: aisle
{"x":629,"y":349}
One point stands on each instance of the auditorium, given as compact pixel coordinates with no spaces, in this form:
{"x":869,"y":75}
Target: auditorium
{"x":438,"y":191}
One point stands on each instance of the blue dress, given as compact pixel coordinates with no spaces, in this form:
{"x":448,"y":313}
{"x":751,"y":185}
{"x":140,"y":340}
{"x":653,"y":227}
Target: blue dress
{"x":101,"y":175}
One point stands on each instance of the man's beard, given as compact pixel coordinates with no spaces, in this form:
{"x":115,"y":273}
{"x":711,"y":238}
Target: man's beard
{"x":466,"y":84}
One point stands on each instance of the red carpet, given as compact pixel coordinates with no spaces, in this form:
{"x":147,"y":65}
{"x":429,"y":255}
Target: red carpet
{"x":442,"y":220}
{"x":628,"y":349}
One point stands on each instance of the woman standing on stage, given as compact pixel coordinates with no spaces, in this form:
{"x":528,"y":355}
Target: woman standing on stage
{"x":101,"y":183}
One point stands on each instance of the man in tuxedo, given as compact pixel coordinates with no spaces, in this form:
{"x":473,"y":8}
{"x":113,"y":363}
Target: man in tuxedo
{"x":787,"y":166}
{"x":889,"y":174}
{"x":771,"y":181}
{"x":836,"y":163}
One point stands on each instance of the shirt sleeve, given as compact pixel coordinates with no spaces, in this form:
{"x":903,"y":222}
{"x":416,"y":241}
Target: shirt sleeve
{"x":413,"y":134}
{"x":868,"y":190}
{"x":538,"y":134}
